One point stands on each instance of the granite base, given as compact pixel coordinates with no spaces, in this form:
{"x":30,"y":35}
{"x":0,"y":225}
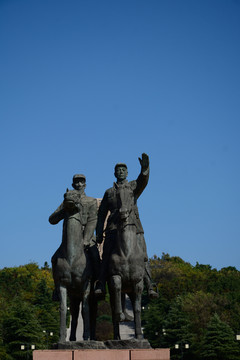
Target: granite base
{"x":103,"y":354}
{"x":98,"y":350}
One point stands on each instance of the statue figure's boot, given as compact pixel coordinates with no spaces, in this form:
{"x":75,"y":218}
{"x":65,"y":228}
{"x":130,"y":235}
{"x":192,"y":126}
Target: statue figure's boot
{"x":148,"y":282}
{"x":152,"y":294}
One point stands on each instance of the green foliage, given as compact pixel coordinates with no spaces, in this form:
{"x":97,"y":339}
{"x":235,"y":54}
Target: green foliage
{"x":104,"y":328}
{"x":197,"y":305}
{"x":153,"y":316}
{"x":189,"y":298}
{"x":219,"y":341}
{"x":3,"y":353}
{"x":26,"y":310}
{"x":21,"y":326}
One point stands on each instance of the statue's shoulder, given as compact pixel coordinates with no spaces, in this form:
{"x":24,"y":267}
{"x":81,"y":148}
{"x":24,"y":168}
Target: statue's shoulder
{"x":110,"y":191}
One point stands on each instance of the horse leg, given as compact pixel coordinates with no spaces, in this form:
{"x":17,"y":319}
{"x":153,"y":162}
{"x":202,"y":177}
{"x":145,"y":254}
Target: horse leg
{"x":123,"y":300}
{"x":136,"y":297}
{"x":74,"y":309}
{"x":63,"y":313}
{"x":128,"y":316}
{"x":85,"y":312}
{"x":116,"y":330}
{"x":93,"y":315}
{"x":116,"y":284}
{"x":116,"y":302}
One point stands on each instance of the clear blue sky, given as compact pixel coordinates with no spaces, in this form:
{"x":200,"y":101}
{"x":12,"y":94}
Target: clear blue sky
{"x":85,"y":84}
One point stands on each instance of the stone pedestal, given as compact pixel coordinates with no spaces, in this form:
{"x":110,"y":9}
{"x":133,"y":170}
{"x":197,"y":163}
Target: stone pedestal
{"x":109,"y":344}
{"x":103,"y":350}
{"x":103,"y":354}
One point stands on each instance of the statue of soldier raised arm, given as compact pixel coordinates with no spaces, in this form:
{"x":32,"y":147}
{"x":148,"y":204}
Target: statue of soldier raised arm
{"x":121,"y":201}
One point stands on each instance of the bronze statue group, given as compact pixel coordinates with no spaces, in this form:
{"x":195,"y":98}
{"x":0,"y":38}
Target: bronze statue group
{"x":78,"y":271}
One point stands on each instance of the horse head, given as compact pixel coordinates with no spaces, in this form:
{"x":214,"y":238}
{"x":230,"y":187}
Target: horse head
{"x":71,"y":199}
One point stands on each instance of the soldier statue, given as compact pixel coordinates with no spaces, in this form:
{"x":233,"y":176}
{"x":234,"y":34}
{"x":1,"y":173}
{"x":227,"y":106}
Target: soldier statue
{"x":85,"y":213}
{"x":112,"y":202}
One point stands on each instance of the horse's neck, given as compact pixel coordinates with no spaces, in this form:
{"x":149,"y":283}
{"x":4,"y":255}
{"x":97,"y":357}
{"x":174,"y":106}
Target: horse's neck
{"x":73,"y":240}
{"x":127,"y":241}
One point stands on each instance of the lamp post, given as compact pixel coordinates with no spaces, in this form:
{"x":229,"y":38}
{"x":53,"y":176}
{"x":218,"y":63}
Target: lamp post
{"x":27,"y":347}
{"x":182,"y":347}
{"x":160,"y":341}
{"x":47,"y":334}
{"x":238,"y":338}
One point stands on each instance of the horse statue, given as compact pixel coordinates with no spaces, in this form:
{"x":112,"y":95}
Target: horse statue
{"x":126,"y":268}
{"x":71,"y":264}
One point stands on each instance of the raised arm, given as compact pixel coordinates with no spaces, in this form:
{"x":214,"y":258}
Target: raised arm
{"x":143,"y":177}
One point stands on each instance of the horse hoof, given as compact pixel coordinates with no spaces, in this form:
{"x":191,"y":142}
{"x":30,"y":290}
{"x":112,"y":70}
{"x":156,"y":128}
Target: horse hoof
{"x":121,"y":317}
{"x":72,"y":338}
{"x":153,"y":294}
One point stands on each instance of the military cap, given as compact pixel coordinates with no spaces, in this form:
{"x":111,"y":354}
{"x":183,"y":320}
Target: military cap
{"x":79,"y":176}
{"x":120,"y":164}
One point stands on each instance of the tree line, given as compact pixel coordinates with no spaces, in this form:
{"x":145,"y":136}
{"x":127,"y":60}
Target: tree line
{"x":28,"y":316}
{"x":198,"y":306}
{"x":198,"y":309}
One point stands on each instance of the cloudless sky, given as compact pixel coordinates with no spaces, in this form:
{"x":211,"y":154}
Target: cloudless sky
{"x":85,"y":84}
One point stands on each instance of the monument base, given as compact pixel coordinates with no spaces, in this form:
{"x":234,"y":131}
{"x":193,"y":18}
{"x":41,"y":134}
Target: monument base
{"x":103,"y":354}
{"x":98,"y":350}
{"x":109,"y":344}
